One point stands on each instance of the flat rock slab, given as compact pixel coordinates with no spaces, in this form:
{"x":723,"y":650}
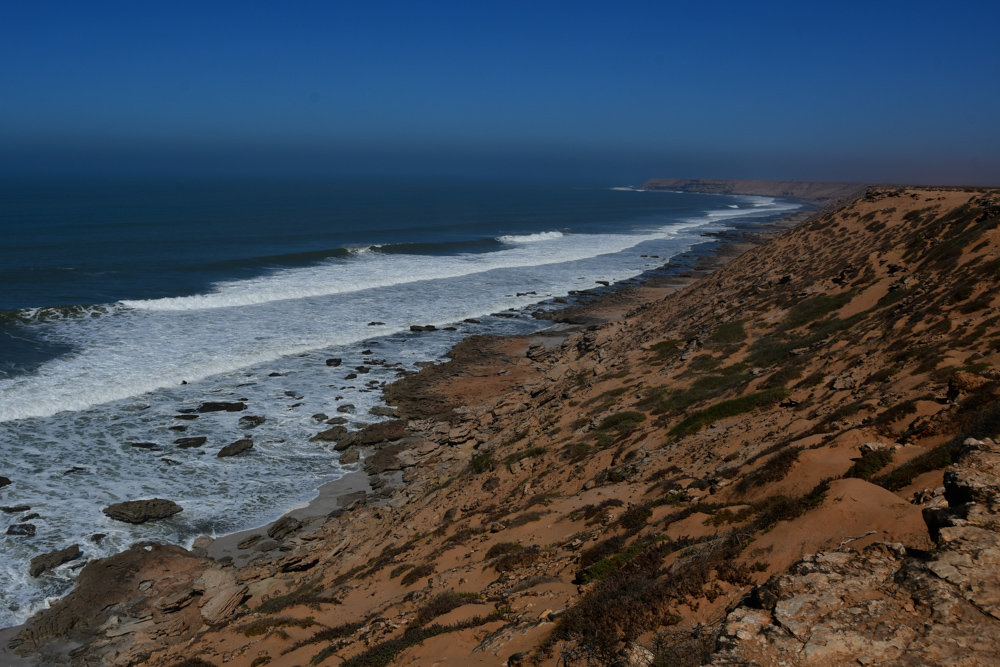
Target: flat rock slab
{"x":187,"y":443}
{"x":141,"y":511}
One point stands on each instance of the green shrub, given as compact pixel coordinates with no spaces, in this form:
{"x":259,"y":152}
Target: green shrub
{"x":263,"y":625}
{"x":481,"y":463}
{"x":773,"y":470}
{"x":727,"y":334}
{"x":327,"y":635}
{"x":815,"y":308}
{"x":532,"y":453}
{"x":440,"y":605}
{"x":634,"y":519}
{"x":503,"y":548}
{"x":577,"y":452}
{"x":622,"y":421}
{"x":396,"y":571}
{"x":593,"y":512}
{"x":666,"y":349}
{"x":730,"y":408}
{"x":305,"y":594}
{"x":869,"y":464}
{"x":416,"y":574}
{"x":517,"y":559}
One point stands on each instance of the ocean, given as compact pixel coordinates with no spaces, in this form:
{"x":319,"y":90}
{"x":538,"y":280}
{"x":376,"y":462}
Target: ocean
{"x":125,"y":304}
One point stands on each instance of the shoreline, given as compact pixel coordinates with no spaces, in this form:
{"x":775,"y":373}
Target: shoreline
{"x":342,"y":493}
{"x":353,"y":489}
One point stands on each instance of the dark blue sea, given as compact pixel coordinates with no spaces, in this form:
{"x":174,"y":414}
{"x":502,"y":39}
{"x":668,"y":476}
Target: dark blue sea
{"x":123,"y":303}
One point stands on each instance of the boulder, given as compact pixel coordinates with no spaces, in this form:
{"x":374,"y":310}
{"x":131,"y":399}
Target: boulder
{"x":350,"y":376}
{"x":186,"y":417}
{"x":320,"y":417}
{"x":222,"y":406}
{"x":349,"y":457}
{"x":336,"y":421}
{"x":383,"y":411}
{"x":22,"y":529}
{"x":53,"y":559}
{"x":376,"y":324}
{"x":188,"y":443}
{"x":141,"y":511}
{"x":334,"y":362}
{"x":4,"y":481}
{"x":235,"y":448}
{"x":251,"y":421}
{"x":417,"y":327}
{"x":346,"y":407}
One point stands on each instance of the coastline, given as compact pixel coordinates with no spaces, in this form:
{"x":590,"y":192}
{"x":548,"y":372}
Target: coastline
{"x":343,"y":493}
{"x":683,"y":270}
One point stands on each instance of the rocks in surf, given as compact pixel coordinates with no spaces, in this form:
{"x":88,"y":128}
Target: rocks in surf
{"x":53,"y":559}
{"x":222,"y":406}
{"x":237,"y":447}
{"x":141,"y":511}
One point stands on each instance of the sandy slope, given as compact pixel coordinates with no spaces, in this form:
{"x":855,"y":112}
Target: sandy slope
{"x":612,"y":493}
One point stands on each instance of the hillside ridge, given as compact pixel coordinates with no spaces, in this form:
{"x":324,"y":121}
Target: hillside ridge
{"x":662,"y":485}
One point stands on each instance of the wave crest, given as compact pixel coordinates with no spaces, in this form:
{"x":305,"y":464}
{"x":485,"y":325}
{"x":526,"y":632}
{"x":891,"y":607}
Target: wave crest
{"x":530,"y":238}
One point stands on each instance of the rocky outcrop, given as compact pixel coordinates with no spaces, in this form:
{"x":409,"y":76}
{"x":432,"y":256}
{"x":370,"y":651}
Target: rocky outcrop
{"x":884,"y":605}
{"x":221,"y":594}
{"x":52,"y":560}
{"x":141,"y":511}
{"x":370,"y":435}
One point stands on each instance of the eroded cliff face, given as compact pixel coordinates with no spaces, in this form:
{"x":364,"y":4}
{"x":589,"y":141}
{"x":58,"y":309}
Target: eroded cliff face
{"x":613,"y":494}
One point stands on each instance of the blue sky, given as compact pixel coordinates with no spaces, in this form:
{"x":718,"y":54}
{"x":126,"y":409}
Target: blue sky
{"x":613,"y":92}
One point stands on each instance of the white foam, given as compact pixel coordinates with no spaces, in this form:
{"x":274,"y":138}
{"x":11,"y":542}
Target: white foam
{"x":530,"y":238}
